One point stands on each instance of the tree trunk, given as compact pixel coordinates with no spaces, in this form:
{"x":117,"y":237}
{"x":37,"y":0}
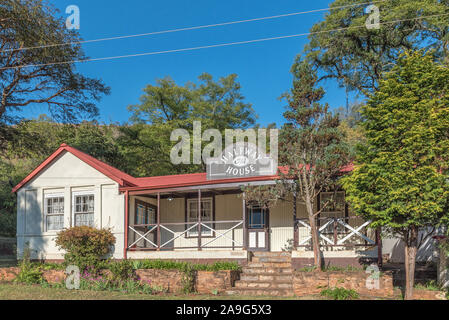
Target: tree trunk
{"x":314,"y":234}
{"x":411,"y":248}
{"x":315,"y":242}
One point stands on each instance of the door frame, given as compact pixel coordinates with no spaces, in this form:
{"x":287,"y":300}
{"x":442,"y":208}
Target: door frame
{"x":267,"y":231}
{"x":149,"y":205}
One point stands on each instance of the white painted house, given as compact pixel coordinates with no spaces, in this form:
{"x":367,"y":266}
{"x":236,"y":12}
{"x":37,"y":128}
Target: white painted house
{"x":157,"y":217}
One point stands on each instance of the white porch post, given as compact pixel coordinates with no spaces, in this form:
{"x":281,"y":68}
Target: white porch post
{"x":199,"y":220}
{"x":244,"y":221}
{"x":158,"y":221}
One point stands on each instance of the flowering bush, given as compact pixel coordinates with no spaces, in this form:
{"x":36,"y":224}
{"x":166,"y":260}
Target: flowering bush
{"x":85,"y":246}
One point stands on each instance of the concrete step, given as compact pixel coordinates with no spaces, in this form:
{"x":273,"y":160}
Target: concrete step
{"x":271,"y":254}
{"x":267,"y":264}
{"x":272,"y":259}
{"x":261,"y":292}
{"x":261,"y":270}
{"x":267,"y":277}
{"x":264,"y":284}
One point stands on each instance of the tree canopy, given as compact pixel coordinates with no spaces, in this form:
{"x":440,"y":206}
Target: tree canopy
{"x":400,"y":180}
{"x":27,"y":75}
{"x":357,"y":56}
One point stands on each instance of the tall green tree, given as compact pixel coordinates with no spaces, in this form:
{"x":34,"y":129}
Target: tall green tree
{"x":357,"y":56}
{"x":312,"y":147}
{"x":167,"y":106}
{"x":401,"y":177}
{"x":25,"y":77}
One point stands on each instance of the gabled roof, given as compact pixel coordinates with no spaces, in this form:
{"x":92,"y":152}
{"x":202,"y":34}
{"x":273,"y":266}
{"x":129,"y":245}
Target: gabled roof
{"x":123,"y":179}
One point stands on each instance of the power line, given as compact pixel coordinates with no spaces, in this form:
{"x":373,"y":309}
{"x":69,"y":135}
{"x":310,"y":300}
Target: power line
{"x":210,"y":46}
{"x":190,"y":28}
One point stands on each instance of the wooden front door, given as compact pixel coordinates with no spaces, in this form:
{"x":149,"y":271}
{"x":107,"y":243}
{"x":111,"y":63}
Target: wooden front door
{"x":258,"y":229}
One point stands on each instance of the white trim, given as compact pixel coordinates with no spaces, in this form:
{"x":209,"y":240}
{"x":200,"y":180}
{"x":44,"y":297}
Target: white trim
{"x":195,"y":200}
{"x":80,"y":193}
{"x":45,"y":207}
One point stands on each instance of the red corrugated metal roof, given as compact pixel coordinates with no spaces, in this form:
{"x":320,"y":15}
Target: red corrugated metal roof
{"x":131,"y":183}
{"x":118,"y":176}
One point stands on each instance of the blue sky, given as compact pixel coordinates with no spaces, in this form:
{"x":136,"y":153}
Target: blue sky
{"x":263,"y":68}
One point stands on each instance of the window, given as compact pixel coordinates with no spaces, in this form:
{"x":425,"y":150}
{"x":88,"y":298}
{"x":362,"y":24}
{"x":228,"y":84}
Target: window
{"x":256,"y":218}
{"x":145,"y":213}
{"x":206,"y":215}
{"x":83,"y":210}
{"x":54,"y":212}
{"x":335,"y":208}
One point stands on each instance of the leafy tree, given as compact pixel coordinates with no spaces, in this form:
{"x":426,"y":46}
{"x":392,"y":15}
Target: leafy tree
{"x":311,"y":149}
{"x":401,"y":180}
{"x":167,"y":106}
{"x":350,"y":125}
{"x":358,"y":56}
{"x":26,"y":80}
{"x":311,"y":145}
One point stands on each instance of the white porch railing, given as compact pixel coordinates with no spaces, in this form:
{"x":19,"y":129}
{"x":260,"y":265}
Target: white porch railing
{"x":343,"y":232}
{"x":188,"y":235}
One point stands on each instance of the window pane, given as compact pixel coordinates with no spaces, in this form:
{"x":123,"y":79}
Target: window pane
{"x":84,"y":219}
{"x":84,"y":204}
{"x":55,"y":222}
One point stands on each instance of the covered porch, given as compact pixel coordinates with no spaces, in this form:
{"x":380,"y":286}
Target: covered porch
{"x":165,"y":224}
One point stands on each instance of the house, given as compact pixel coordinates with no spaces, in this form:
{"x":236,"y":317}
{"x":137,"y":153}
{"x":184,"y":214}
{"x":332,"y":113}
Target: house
{"x":157,"y":217}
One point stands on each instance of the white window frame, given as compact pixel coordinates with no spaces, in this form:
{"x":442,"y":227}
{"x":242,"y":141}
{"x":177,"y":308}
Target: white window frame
{"x":46,"y":214}
{"x":81,"y":193}
{"x":204,"y":231}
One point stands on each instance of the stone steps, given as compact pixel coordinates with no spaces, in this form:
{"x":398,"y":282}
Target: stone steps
{"x":283,"y":260}
{"x":249,"y":270}
{"x":264,"y":284}
{"x":261,"y":292}
{"x":267,"y":274}
{"x":267,"y":277}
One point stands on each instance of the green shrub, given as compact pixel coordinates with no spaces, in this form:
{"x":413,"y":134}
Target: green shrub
{"x":85,"y":246}
{"x":182,"y":266}
{"x":122,"y":270}
{"x":28,"y":273}
{"x":340,"y":294}
{"x":432,"y":285}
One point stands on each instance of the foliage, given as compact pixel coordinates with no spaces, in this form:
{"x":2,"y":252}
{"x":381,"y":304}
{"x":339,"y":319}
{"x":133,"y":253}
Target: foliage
{"x":188,"y":279}
{"x":175,"y":265}
{"x":400,"y":180}
{"x":121,"y":270}
{"x":312,"y":148}
{"x":431,"y":285}
{"x":28,"y":273}
{"x":340,"y":294}
{"x":85,"y":246}
{"x":357,"y":56}
{"x":167,"y":106}
{"x":68,"y":94}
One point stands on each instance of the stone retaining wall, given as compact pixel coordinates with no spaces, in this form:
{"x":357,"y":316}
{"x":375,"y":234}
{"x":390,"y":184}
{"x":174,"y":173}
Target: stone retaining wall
{"x":206,"y":282}
{"x":309,"y":283}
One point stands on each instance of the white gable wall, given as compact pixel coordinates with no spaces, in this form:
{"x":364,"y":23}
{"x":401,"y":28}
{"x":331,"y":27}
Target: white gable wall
{"x":67,"y":175}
